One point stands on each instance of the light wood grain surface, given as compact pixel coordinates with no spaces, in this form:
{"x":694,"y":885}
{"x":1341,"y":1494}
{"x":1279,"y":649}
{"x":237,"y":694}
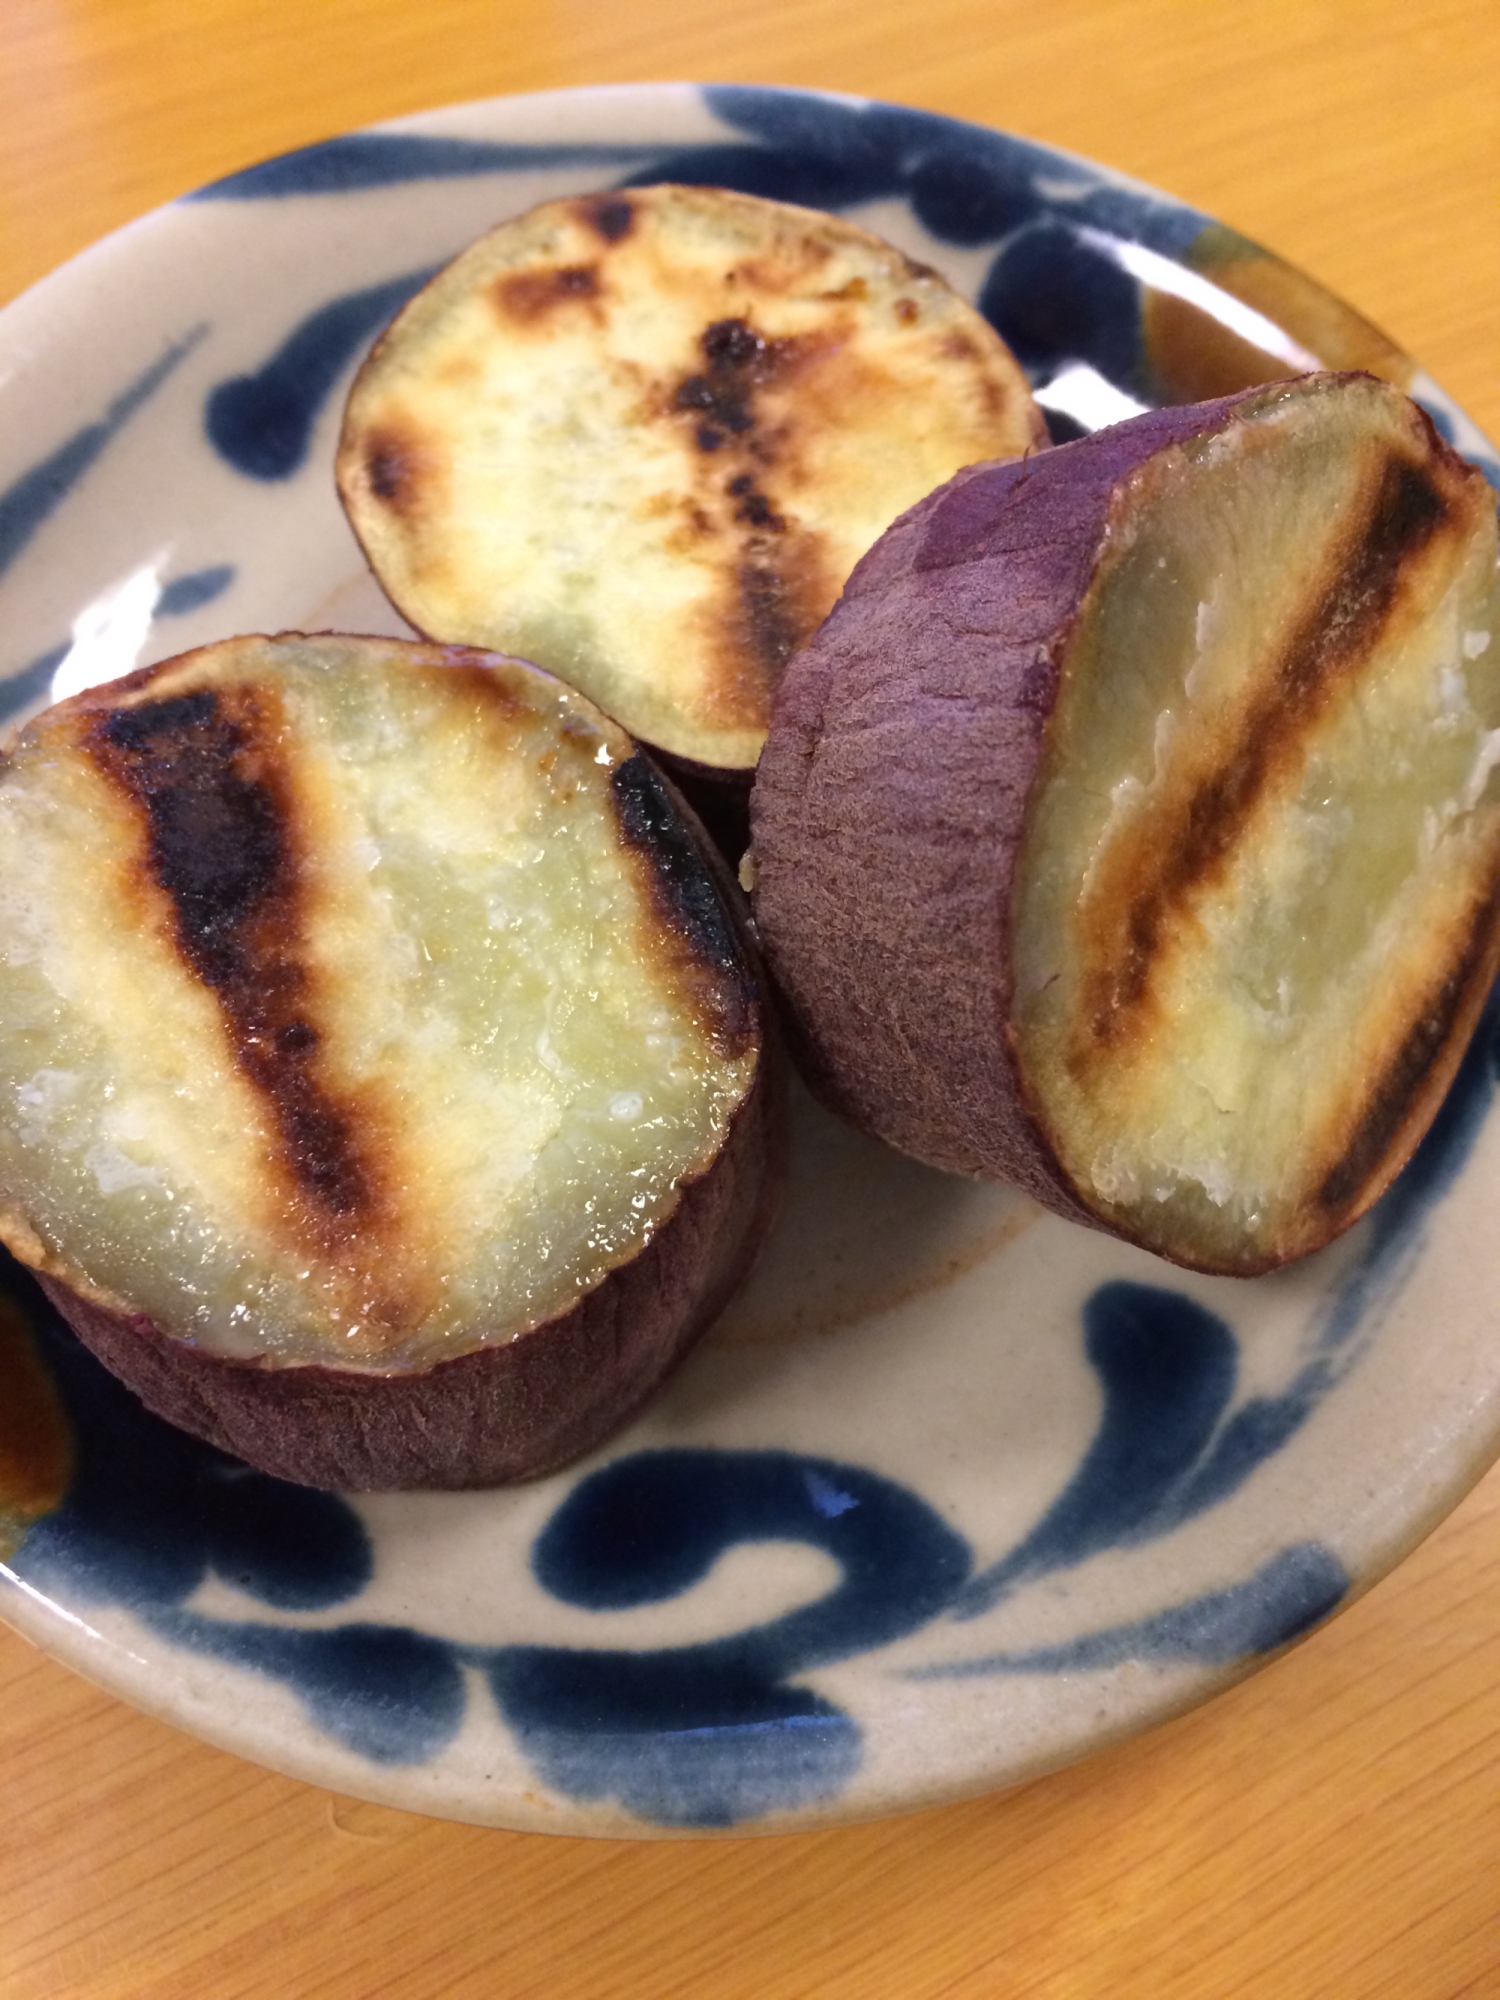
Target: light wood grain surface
{"x":1330,"y":1828}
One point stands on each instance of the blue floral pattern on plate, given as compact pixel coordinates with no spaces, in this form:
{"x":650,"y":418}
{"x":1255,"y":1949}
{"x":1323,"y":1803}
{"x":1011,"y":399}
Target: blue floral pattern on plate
{"x":1096,"y":1468}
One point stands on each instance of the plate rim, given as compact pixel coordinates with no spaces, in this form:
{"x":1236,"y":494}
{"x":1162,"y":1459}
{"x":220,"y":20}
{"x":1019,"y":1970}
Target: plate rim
{"x":78,"y":1653}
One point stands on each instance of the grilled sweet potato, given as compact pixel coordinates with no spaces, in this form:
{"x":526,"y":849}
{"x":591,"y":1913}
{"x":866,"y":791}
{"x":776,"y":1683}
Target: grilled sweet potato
{"x":385,"y":1092}
{"x":1131,"y":829}
{"x":641,"y":437}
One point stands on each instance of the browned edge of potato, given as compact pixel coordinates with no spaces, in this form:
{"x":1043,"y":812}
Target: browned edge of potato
{"x":642,"y":436}
{"x":228,"y":823}
{"x":1014,"y":958}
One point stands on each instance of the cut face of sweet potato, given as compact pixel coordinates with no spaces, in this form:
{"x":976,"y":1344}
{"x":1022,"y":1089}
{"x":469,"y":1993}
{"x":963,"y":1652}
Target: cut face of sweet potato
{"x":1257,"y":897}
{"x":365,"y":1007}
{"x":642,"y":438}
{"x":1219,"y":893}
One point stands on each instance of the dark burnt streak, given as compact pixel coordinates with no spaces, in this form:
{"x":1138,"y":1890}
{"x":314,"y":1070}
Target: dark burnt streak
{"x":733,"y":344}
{"x":1337,"y":632}
{"x":770,"y":598}
{"x":751,"y":505}
{"x":221,"y":845}
{"x":709,"y":964}
{"x":769,"y":623}
{"x":394,"y":467}
{"x":739,"y":361}
{"x":1410,"y":1070}
{"x":774,"y":586}
{"x":611,"y":216}
{"x":528,"y":297}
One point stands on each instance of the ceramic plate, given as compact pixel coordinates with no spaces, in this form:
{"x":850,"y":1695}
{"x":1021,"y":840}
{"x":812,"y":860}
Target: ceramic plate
{"x":956,"y":1491}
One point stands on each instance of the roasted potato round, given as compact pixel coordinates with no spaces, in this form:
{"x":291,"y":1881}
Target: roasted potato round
{"x":641,"y":437}
{"x":387,"y":1094}
{"x":1131,"y":829}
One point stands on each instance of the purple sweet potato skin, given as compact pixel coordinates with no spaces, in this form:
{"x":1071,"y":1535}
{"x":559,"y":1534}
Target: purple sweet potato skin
{"x":891,"y":799}
{"x":494,"y":1415}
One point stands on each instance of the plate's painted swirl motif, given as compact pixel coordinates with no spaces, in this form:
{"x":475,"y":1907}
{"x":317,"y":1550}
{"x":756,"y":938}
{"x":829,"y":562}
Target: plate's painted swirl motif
{"x":1031,"y":1487}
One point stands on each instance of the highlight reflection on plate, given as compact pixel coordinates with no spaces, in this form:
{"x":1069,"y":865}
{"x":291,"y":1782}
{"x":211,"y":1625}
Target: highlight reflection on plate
{"x":954,"y":1491}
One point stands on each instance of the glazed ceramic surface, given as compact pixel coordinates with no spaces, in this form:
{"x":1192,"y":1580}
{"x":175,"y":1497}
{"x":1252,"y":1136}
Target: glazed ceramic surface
{"x":955,"y":1491}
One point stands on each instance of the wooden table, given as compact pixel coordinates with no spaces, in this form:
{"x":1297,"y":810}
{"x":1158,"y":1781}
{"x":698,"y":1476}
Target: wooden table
{"x":1330,"y":1828}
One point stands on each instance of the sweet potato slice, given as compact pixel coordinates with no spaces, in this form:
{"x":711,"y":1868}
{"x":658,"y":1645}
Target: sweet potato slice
{"x":385,"y":1092}
{"x":641,"y":437}
{"x":1132,"y":829}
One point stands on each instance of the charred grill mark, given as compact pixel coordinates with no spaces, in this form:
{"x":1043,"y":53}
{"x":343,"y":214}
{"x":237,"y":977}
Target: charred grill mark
{"x":1406,"y":513}
{"x":528,"y":297}
{"x":738,"y":361}
{"x":220,"y":843}
{"x":385,"y":468}
{"x":774,"y":588}
{"x":769,"y":625}
{"x":1411,"y":1067}
{"x":706,"y":959}
{"x":396,"y":468}
{"x":610,"y":216}
{"x":769,"y":601}
{"x":752,"y":507}
{"x":732,"y":344}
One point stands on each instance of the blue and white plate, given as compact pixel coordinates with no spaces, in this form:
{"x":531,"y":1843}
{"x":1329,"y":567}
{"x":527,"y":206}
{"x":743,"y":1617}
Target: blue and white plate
{"x":955,"y":1492}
